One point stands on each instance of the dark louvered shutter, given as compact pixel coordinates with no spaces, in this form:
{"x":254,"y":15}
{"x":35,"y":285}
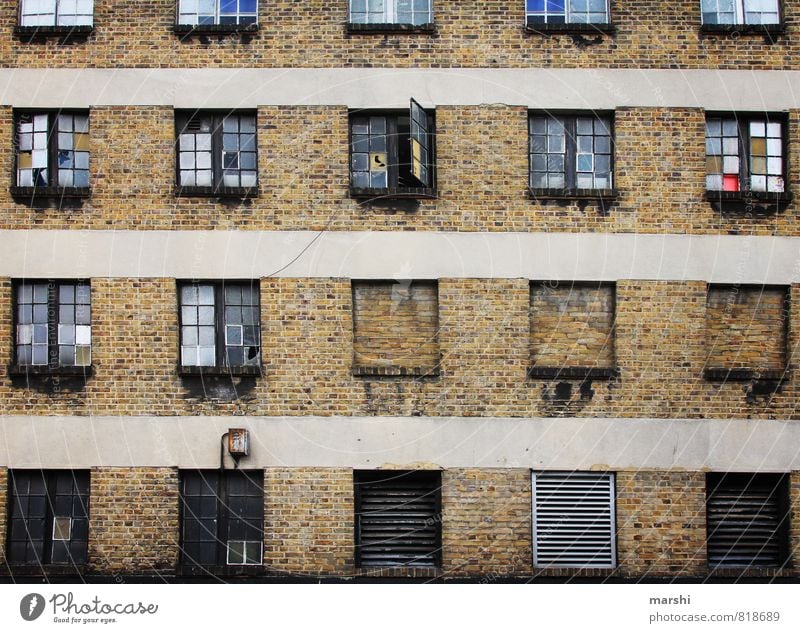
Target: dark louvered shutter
{"x":747,"y":519}
{"x":573,"y":519}
{"x":397,"y":519}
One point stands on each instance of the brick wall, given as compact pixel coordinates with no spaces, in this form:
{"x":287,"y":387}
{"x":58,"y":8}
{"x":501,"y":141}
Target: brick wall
{"x":661,"y":526}
{"x":395,"y":326}
{"x":486,"y":522}
{"x":308,"y":520}
{"x":746,"y":327}
{"x":471,"y":33}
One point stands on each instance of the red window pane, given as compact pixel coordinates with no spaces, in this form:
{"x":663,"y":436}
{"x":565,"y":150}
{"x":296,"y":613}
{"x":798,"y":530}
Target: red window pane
{"x":730,"y":183}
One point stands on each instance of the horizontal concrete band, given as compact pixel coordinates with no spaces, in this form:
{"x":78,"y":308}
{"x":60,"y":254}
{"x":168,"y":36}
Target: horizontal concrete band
{"x":393,"y":442}
{"x":399,"y":255}
{"x":391,"y":88}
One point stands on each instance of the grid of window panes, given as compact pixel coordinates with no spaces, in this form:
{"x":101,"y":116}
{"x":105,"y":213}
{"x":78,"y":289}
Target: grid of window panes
{"x":740,"y":11}
{"x":204,"y":12}
{"x":725,"y":138}
{"x":73,"y":150}
{"x":74,"y":325}
{"x":198,"y":347}
{"x":245,"y":518}
{"x":414,"y":12}
{"x":194,"y":153}
{"x":548,"y":152}
{"x":241,"y":325}
{"x":369,"y":156}
{"x":566,"y":11}
{"x":239,"y":150}
{"x":766,"y":156}
{"x":49,"y":522}
{"x":56,"y":12}
{"x":32,"y":154}
{"x":722,"y":155}
{"x":32,"y":328}
{"x":593,"y":153}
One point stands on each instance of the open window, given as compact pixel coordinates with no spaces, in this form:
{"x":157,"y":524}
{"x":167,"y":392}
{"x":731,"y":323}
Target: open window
{"x":392,"y":153}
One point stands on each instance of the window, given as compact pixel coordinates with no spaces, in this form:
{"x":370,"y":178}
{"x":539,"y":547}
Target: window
{"x":409,"y":12}
{"x":570,"y":153}
{"x":49,"y":519}
{"x":573,"y":519}
{"x":398,"y":518}
{"x":217,"y":153}
{"x":53,"y":152}
{"x":222,"y":517}
{"x":220,"y":325}
{"x":538,"y":12}
{"x":740,"y":11}
{"x":56,"y":12}
{"x":54,"y":328}
{"x":392,"y":154}
{"x":745,"y":153}
{"x":222,"y":12}
{"x":747,"y":519}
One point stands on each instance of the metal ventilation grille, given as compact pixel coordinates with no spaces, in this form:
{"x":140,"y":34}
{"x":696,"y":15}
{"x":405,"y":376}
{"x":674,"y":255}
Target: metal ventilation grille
{"x":746,"y":518}
{"x":397,"y":519}
{"x":573,"y":519}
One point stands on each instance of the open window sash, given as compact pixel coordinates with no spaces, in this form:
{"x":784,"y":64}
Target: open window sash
{"x":420,"y":144}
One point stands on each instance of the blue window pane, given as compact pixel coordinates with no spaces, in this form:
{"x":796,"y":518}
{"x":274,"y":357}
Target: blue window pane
{"x":227,"y":6}
{"x":248,"y":6}
{"x":535,"y":5}
{"x":556,"y":6}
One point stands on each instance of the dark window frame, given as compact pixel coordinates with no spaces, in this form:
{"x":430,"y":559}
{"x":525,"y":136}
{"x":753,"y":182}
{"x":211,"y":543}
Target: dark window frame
{"x":546,"y":28}
{"x":390,"y":27}
{"x":219,"y":366}
{"x":769,"y":31}
{"x":67,"y":32}
{"x":216,"y":27}
{"x":217,"y":189}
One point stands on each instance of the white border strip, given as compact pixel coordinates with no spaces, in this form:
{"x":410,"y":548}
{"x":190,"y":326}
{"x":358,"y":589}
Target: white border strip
{"x":395,"y":442}
{"x":399,"y":255}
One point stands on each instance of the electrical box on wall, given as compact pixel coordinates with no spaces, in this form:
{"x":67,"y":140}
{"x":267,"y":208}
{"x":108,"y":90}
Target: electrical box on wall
{"x":238,"y":442}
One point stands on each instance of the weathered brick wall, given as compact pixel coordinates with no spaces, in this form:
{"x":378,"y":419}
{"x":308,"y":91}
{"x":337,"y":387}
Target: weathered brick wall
{"x":661,"y":525}
{"x":486,"y":522}
{"x":746,"y":327}
{"x":133,"y":520}
{"x":471,"y":33}
{"x":395,"y":325}
{"x":572,"y":325}
{"x":309,"y":520}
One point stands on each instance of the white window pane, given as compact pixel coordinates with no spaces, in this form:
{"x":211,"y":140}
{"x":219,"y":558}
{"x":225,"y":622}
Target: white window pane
{"x":39,"y":158}
{"x":189,"y":356}
{"x":206,"y":356}
{"x":758,"y":128}
{"x":758,"y":183}
{"x":775,"y":183}
{"x":189,"y":295}
{"x":187,"y":179}
{"x":83,"y":335}
{"x":774,"y":165}
{"x":203,"y":178}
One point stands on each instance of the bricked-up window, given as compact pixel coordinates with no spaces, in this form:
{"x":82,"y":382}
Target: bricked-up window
{"x":573,"y":519}
{"x":53,"y":324}
{"x":411,"y":12}
{"x":395,"y":327}
{"x":223,"y":12}
{"x":572,"y":329}
{"x":740,"y":11}
{"x":745,"y":153}
{"x":746,"y":331}
{"x":216,"y":153}
{"x":56,"y":12}
{"x":391,"y":154}
{"x":222,"y":517}
{"x":52,"y":151}
{"x":220,"y":325}
{"x":570,"y":153}
{"x":747,"y":518}
{"x":49,"y":517}
{"x":566,"y":12}
{"x":398,"y":518}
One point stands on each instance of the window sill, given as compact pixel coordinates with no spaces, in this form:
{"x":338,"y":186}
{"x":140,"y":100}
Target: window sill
{"x":573,"y":194}
{"x":573,"y":372}
{"x":725,"y":374}
{"x":50,"y":569}
{"x":400,"y":572}
{"x":223,"y":571}
{"x":34,"y":32}
{"x":389,"y":28}
{"x":46,"y":370}
{"x":763,"y":202}
{"x":244,"y":370}
{"x":743,"y":29}
{"x":395,"y":371}
{"x":218,"y":192}
{"x":213,"y":29}
{"x":30,"y":193}
{"x":576,"y":28}
{"x":420,"y":193}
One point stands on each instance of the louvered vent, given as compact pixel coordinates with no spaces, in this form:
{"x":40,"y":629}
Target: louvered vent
{"x":573,"y":519}
{"x":746,"y":518}
{"x":397,"y":520}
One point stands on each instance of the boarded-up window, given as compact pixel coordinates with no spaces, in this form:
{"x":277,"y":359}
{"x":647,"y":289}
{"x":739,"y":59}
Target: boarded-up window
{"x":572,"y":325}
{"x":395,"y":326}
{"x":746,"y":328}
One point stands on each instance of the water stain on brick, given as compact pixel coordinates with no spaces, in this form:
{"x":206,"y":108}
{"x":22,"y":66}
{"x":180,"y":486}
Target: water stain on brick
{"x":224,"y":388}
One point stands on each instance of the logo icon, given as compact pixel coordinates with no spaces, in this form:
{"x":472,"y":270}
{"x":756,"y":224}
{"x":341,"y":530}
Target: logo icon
{"x":31,"y":606}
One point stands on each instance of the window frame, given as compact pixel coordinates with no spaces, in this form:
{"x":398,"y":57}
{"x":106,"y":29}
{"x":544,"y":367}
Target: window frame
{"x":744,"y":28}
{"x":52,"y":189}
{"x":67,"y":31}
{"x":180,"y":28}
{"x":53,"y":321}
{"x":543,"y":28}
{"x":224,"y":516}
{"x":390,"y":27}
{"x":217,"y":189}
{"x":219,"y":368}
{"x":50,"y":480}
{"x":393,"y":190}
